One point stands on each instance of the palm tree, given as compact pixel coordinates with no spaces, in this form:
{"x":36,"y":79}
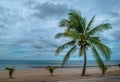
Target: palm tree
{"x":118,"y":65}
{"x":51,"y":69}
{"x":11,"y":71}
{"x":83,"y":35}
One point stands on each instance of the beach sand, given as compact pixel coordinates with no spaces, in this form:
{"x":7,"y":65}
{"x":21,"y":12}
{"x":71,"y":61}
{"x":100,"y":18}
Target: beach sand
{"x":42,"y":75}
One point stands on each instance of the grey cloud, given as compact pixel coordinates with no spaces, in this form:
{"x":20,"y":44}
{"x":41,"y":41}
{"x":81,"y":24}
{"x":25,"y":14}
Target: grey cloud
{"x":3,"y":27}
{"x":113,"y":14}
{"x":116,"y":34}
{"x":9,"y":16}
{"x":50,"y":10}
{"x":40,"y":41}
{"x":112,"y":17}
{"x":3,"y":30}
{"x":37,"y":46}
{"x":44,"y":43}
{"x":22,"y":41}
{"x":4,"y":15}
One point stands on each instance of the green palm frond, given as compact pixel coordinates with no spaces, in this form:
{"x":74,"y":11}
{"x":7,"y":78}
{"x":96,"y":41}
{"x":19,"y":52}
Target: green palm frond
{"x":105,"y":51}
{"x":91,"y":39}
{"x":59,"y":35}
{"x":10,"y":68}
{"x":90,"y":23}
{"x":70,"y":23}
{"x":73,"y":49}
{"x":99,"y":60}
{"x":60,"y":49}
{"x":51,"y":67}
{"x":77,"y":20}
{"x":73,"y":34}
{"x":70,"y":34}
{"x":100,"y":28}
{"x":64,"y":23}
{"x":84,"y":22}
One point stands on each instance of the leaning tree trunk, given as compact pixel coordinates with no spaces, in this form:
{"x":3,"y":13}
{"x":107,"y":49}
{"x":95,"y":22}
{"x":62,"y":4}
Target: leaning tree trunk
{"x":85,"y":61}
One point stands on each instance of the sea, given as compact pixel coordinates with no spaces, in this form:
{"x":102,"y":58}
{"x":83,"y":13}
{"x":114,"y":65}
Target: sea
{"x":37,"y":64}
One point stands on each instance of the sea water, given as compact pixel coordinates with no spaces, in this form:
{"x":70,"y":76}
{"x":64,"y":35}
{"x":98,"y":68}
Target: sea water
{"x":31,"y":64}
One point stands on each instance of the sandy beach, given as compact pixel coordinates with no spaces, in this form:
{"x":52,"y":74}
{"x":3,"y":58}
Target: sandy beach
{"x":42,"y":75}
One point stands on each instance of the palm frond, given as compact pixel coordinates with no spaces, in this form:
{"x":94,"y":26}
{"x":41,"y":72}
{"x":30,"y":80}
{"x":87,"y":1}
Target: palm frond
{"x":10,"y":68}
{"x":100,"y":28}
{"x":72,"y":50}
{"x":65,"y":34}
{"x":90,"y":23}
{"x":64,"y":23}
{"x":77,"y":20}
{"x":84,"y":22}
{"x":105,"y":51}
{"x":70,"y":34}
{"x":51,"y":67}
{"x":61,"y":48}
{"x":73,"y":34}
{"x":59,"y":35}
{"x":99,"y":60}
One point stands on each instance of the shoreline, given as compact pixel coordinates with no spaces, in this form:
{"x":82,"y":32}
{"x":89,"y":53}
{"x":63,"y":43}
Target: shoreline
{"x":71,"y":66}
{"x":42,"y":75}
{"x":22,"y":67}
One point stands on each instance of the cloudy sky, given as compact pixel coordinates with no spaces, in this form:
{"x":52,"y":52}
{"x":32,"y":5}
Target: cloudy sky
{"x":28,"y":27}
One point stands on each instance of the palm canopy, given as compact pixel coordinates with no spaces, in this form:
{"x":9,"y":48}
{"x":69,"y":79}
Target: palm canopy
{"x":83,"y":34}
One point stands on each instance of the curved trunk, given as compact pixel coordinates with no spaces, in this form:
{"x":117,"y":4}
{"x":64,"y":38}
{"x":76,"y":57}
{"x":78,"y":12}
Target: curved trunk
{"x":85,"y":61}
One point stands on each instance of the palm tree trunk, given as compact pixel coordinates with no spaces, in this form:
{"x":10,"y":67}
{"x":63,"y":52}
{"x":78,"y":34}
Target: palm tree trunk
{"x":85,"y":61}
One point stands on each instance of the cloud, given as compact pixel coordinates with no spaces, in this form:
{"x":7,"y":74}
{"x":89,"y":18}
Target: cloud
{"x":50,"y":10}
{"x":116,"y":34}
{"x":45,"y":43}
{"x":111,"y":16}
{"x":27,"y":28}
{"x":113,"y":13}
{"x":3,"y":30}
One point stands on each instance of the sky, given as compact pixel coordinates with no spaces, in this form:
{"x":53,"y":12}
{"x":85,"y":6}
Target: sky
{"x":28,"y":27}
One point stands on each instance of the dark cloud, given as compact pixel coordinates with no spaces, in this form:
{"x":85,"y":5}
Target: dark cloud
{"x":113,"y":14}
{"x":41,"y":40}
{"x":37,"y":46}
{"x":44,"y":43}
{"x":3,"y":27}
{"x":22,"y":41}
{"x":116,"y":34}
{"x":50,"y":10}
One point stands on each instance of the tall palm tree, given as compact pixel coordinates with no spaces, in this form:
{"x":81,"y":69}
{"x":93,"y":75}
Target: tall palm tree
{"x":83,"y":35}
